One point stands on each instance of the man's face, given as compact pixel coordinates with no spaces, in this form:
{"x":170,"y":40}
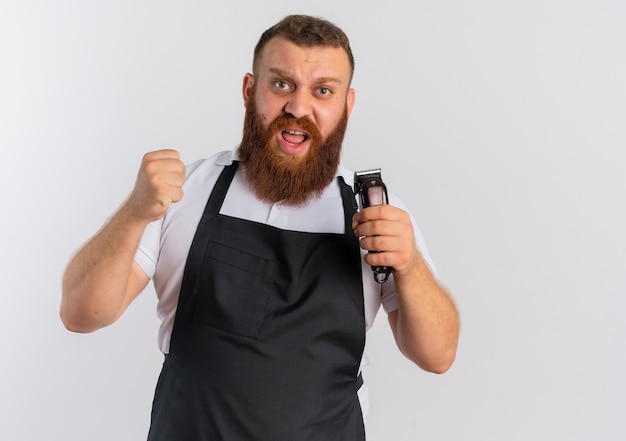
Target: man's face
{"x":297,"y":107}
{"x":303,"y":82}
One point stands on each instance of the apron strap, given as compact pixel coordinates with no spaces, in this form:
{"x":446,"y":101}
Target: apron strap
{"x":349,"y":204}
{"x":220,"y":189}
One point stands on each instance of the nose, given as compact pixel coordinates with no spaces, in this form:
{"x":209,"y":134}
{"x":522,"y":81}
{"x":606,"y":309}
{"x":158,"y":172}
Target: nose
{"x":299,"y":104}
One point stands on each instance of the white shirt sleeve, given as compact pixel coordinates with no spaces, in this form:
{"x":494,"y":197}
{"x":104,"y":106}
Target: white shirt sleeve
{"x":148,"y":251}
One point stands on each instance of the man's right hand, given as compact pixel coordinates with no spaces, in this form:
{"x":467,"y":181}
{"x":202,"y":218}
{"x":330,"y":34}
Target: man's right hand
{"x":159,"y":183}
{"x":102,"y":278}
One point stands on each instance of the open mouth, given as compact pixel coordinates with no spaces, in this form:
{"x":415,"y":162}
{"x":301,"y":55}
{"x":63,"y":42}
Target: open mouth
{"x":294,"y":137}
{"x":293,"y":142}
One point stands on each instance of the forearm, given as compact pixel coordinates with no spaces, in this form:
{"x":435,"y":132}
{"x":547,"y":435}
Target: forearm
{"x":95,"y":283}
{"x":426,"y":325}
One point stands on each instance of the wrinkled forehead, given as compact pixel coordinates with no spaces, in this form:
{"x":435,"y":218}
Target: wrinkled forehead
{"x":281,"y":55}
{"x":279,"y":48}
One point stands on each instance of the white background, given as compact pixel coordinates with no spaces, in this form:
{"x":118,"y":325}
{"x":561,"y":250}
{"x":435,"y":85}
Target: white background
{"x":502,"y":124}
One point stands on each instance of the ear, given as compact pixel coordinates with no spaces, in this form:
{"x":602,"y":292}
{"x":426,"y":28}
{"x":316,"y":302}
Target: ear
{"x":248,"y":82}
{"x":350,"y":100}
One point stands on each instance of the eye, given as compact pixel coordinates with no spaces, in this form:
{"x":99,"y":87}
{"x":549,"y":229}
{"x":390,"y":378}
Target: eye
{"x":281,"y":85}
{"x":324,"y":91}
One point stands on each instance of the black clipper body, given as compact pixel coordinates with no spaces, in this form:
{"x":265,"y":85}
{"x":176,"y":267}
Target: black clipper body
{"x":372,"y":191}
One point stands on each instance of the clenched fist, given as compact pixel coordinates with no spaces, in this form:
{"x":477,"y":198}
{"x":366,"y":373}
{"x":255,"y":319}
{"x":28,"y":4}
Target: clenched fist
{"x":159,"y":183}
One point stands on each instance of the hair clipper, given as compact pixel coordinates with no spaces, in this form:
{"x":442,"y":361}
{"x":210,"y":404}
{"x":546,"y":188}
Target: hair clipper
{"x":372,"y":191}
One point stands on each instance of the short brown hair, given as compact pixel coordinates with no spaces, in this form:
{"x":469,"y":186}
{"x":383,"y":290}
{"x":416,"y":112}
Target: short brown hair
{"x":306,"y":31}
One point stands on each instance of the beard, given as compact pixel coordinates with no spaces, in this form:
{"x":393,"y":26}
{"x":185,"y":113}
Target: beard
{"x":276,"y":177}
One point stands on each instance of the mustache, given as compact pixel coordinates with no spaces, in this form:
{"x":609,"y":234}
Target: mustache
{"x":304,"y":124}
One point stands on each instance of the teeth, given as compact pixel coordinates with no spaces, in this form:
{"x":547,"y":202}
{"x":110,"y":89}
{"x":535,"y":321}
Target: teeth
{"x":293,"y":132}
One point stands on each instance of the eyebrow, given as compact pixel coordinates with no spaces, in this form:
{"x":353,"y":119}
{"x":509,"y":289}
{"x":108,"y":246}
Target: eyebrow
{"x":321,"y":80}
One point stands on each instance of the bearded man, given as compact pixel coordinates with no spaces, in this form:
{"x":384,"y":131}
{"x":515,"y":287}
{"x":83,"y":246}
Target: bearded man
{"x":261,"y":267}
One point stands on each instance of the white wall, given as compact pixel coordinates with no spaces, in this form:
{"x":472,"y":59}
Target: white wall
{"x":502,"y":124}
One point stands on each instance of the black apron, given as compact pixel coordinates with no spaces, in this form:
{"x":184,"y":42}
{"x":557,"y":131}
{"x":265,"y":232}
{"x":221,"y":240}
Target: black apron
{"x":268,"y":335}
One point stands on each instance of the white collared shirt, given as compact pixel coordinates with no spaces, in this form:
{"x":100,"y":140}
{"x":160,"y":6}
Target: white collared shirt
{"x":165,"y":244}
